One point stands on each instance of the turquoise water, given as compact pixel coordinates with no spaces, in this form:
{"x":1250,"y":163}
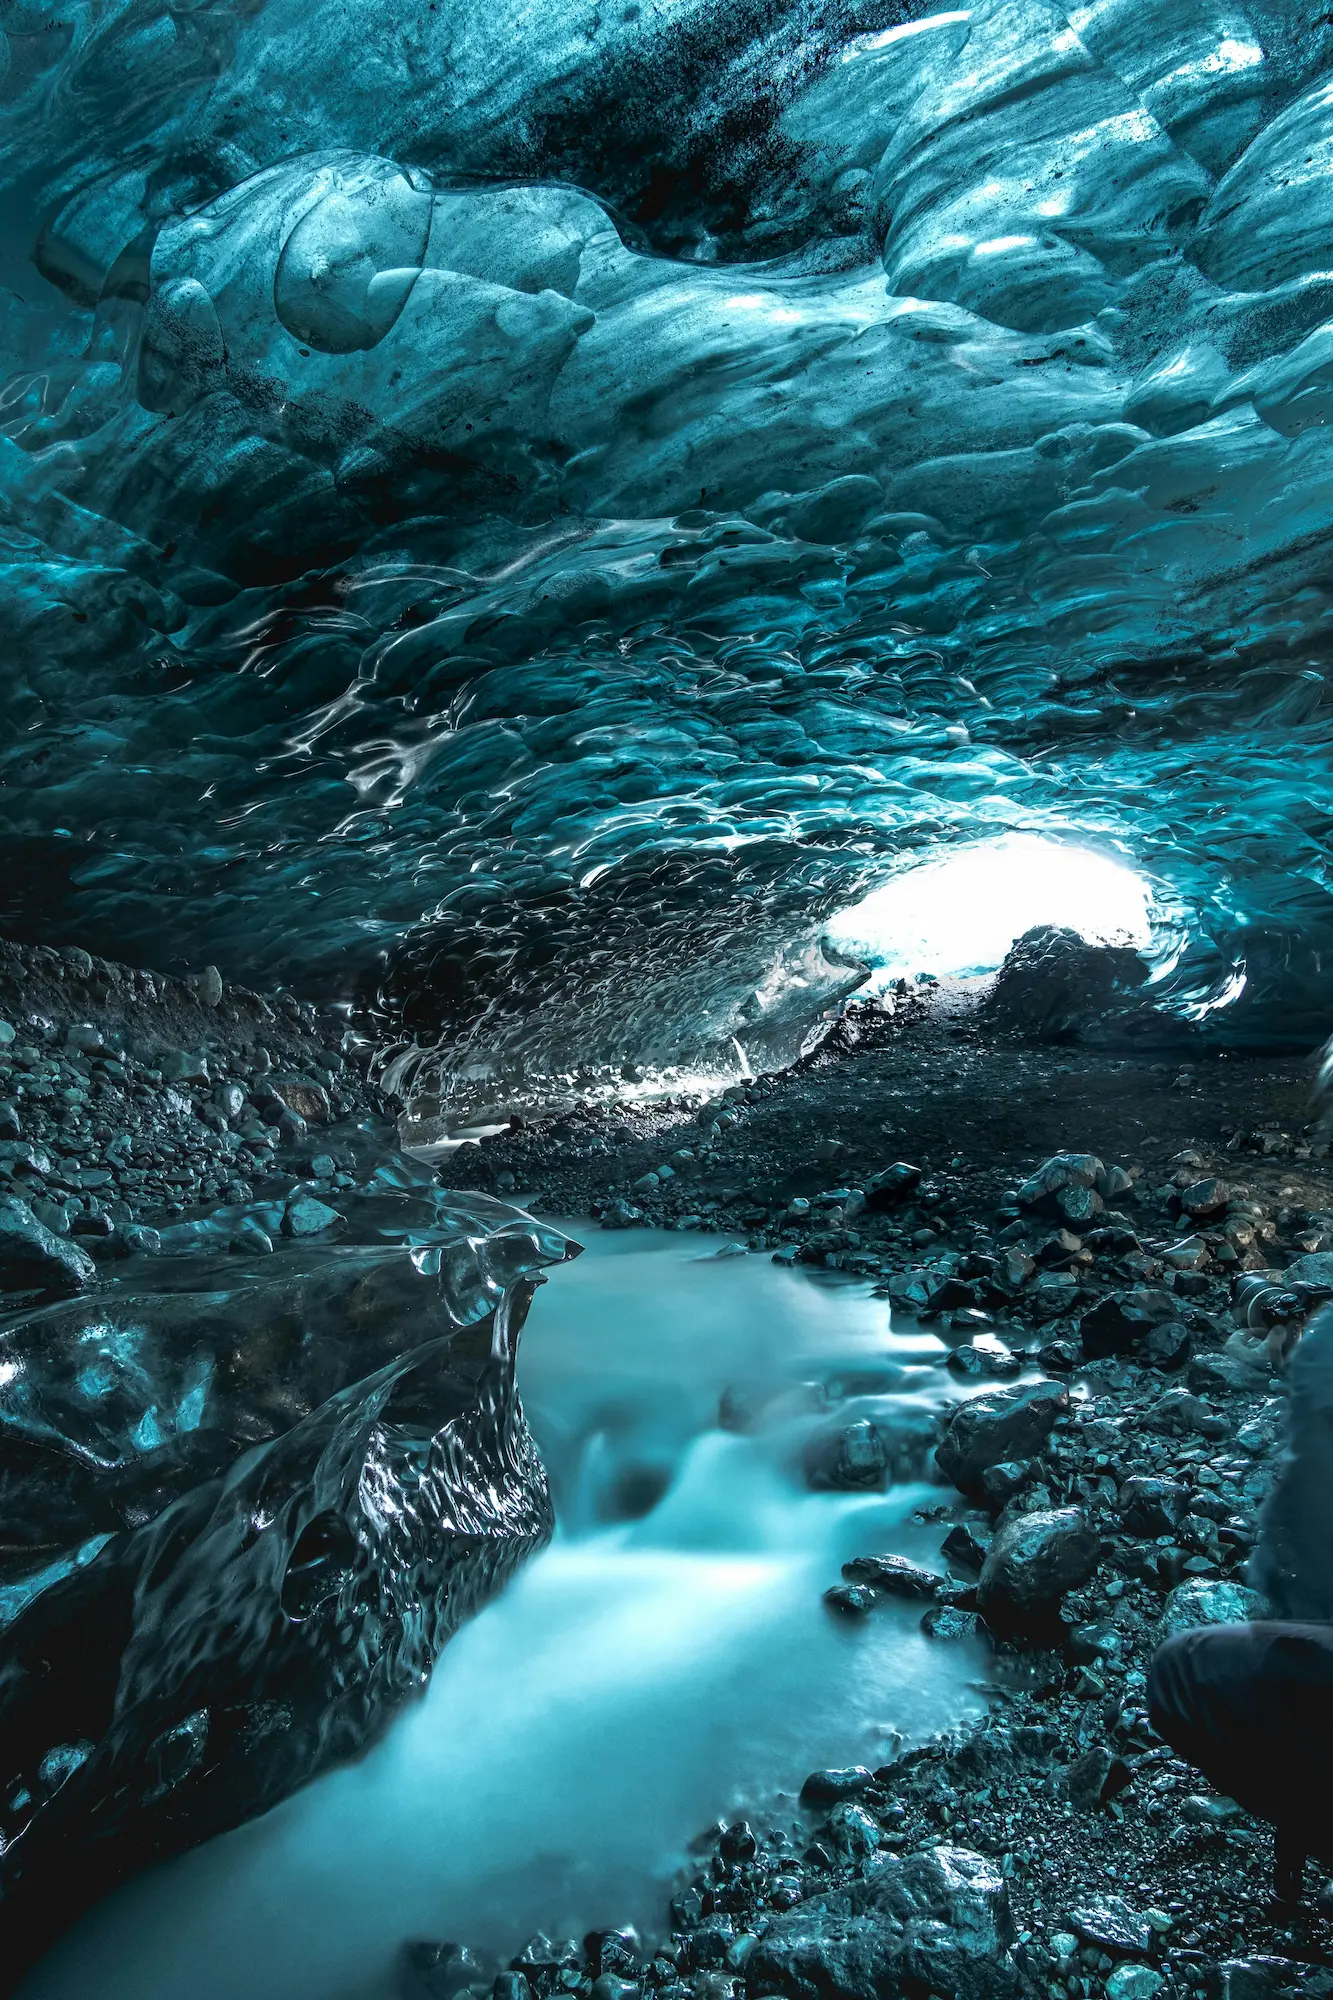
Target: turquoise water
{"x":666,"y":1661}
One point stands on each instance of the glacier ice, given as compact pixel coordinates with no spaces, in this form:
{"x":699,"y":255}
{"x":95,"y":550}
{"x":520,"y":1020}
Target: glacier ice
{"x":527,"y":510}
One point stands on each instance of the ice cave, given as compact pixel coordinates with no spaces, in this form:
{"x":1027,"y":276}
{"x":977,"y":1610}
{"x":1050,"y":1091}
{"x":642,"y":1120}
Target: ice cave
{"x":666,"y":924}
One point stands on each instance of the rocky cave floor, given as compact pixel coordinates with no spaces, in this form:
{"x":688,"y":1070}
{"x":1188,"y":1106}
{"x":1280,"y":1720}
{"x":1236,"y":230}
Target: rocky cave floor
{"x":1099,"y":1862}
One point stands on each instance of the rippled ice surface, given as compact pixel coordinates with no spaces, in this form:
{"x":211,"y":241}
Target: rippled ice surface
{"x":667,"y":1660}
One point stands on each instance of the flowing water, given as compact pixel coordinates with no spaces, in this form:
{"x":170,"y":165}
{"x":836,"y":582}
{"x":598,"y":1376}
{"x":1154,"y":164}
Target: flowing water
{"x":666,"y":1661}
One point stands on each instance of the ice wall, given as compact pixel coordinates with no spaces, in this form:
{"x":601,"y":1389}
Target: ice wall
{"x":528,"y":508}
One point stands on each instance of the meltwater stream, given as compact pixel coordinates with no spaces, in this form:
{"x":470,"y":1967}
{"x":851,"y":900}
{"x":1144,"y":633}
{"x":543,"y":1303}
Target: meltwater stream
{"x":665,"y":1661}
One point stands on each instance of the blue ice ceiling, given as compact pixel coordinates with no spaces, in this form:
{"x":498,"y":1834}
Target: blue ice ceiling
{"x":528,"y":508}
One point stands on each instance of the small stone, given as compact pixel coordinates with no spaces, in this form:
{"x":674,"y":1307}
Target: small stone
{"x":1205,"y":1809}
{"x":885,"y":1190}
{"x":1204,"y":1198}
{"x":852,"y":1459}
{"x":967,"y":1544}
{"x":229,"y":1099}
{"x":304,"y":1215}
{"x":1095,"y":1778}
{"x":137,"y":1236}
{"x":10,"y":1125}
{"x":324,"y":1167}
{"x":1063,"y":1170}
{"x":6,"y":1034}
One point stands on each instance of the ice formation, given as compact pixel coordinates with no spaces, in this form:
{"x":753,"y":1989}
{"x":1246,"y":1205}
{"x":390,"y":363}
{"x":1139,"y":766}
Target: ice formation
{"x":526,"y":509}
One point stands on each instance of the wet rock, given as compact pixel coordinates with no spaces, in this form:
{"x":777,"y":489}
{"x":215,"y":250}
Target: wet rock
{"x":428,"y":1971}
{"x":1112,"y":1923}
{"x":850,"y":1459}
{"x":1134,"y":1982}
{"x":827,"y":1788}
{"x":1168,"y":1346}
{"x":947,"y":1621}
{"x":1033,"y":1561}
{"x":1151,"y":1506}
{"x":850,"y":1600}
{"x":895,"y":1576}
{"x":1058,"y":1357}
{"x":999,"y":1483}
{"x":1209,"y":1602}
{"x":33,"y":1257}
{"x":998,"y":1425}
{"x":985,"y":1356}
{"x":967,"y":1543}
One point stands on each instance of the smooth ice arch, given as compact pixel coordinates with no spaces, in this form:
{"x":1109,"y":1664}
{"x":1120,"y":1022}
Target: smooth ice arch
{"x":533,"y":509}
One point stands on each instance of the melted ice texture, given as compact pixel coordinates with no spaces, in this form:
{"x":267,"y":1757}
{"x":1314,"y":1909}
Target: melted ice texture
{"x":533,"y":505}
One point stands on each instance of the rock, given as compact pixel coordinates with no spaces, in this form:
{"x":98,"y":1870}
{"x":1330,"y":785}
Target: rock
{"x":1207,"y":1809}
{"x":1315,"y":1270}
{"x":1226,"y":1374}
{"x":1168,"y":1346}
{"x":1133,"y":1982}
{"x":6,"y":1034}
{"x":1054,"y":1176}
{"x":967,"y":1543}
{"x":1180,"y":1414}
{"x":1058,"y":1357}
{"x":849,"y":1460}
{"x":1055,"y":1294}
{"x":1034,"y":1559}
{"x":1080,"y":1206}
{"x":619,"y":1951}
{"x":827,"y":1788}
{"x":895,"y":1576}
{"x":1056,"y":987}
{"x":999,"y":1483}
{"x":179,"y":1066}
{"x":1095,"y":1778}
{"x":852,"y":1600}
{"x":207,"y":986}
{"x":893,"y":1185}
{"x":1000,"y":1424}
{"x":1109,"y":1921}
{"x":937,"y":1922}
{"x":1204,"y":1198}
{"x":986,"y":1355}
{"x":31,"y":1256}
{"x":851,"y":1831}
{"x":137,"y":1236}
{"x":1210,"y":1602}
{"x":1121,"y":1322}
{"x":1114,"y":1184}
{"x":10,"y":1125}
{"x":1151,"y":1506}
{"x":305,"y":1215}
{"x":946,"y":1621}
{"x":1259,"y":1977}
{"x":436,"y":1971}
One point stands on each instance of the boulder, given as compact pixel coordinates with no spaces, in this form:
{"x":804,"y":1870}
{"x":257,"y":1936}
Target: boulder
{"x":829,"y":1788}
{"x":1054,"y":1176}
{"x":1056,"y":987}
{"x":1000,"y":1424}
{"x":1034,"y":1559}
{"x":848,"y":1460}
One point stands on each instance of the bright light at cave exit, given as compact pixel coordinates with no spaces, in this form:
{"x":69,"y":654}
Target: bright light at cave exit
{"x":958,"y":916}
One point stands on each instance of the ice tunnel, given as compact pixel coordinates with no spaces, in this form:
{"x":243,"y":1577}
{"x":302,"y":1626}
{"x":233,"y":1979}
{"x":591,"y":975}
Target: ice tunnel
{"x":520,"y":514}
